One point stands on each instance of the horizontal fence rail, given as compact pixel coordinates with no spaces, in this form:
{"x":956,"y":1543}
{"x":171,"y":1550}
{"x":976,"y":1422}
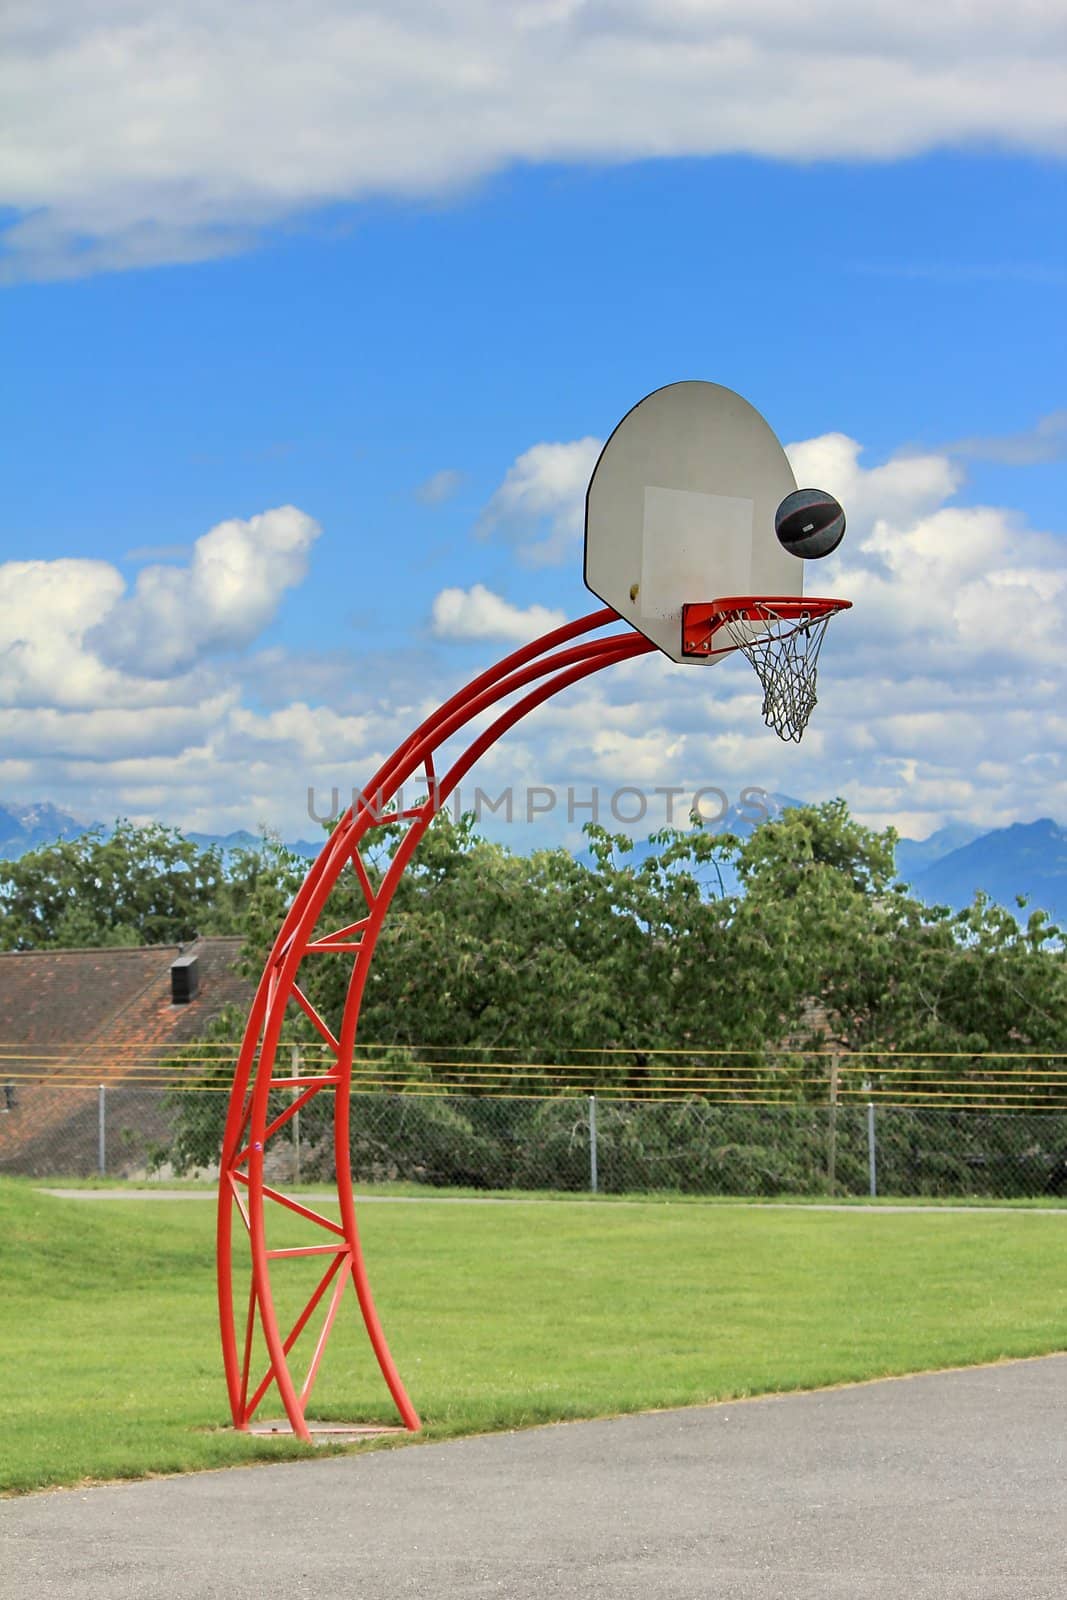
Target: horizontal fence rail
{"x":703,"y":1123}
{"x":985,"y":1080}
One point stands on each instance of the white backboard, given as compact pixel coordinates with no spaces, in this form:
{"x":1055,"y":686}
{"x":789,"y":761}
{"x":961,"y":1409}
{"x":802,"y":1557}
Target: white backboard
{"x":680,"y":509}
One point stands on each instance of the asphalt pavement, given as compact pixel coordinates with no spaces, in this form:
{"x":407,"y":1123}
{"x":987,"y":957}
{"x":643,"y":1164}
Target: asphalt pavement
{"x":948,"y":1486}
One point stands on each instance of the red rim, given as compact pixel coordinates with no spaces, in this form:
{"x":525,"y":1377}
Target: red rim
{"x":753,"y":607}
{"x":703,"y":620}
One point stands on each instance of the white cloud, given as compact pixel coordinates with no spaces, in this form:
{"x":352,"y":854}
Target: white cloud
{"x":138,"y":134}
{"x":107,"y":735}
{"x":311,"y":735}
{"x":941,"y":694}
{"x":72,"y":636}
{"x":221,"y":601}
{"x":937,"y":588}
{"x":540,"y":505}
{"x":899,"y":490}
{"x":46,"y":609}
{"x":1045,"y":441}
{"x":478,"y":613}
{"x":153,"y":732}
{"x":439,"y":487}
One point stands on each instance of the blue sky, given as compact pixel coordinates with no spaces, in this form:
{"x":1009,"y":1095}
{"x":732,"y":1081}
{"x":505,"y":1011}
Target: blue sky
{"x":192,"y":342}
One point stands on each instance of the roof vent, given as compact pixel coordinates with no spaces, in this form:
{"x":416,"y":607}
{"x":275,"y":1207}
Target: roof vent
{"x":184,"y":979}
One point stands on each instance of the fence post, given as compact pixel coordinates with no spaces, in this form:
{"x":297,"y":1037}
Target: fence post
{"x":831,"y":1154}
{"x":872,"y":1149}
{"x":296,"y":1116}
{"x":592,"y":1145}
{"x":101,"y":1131}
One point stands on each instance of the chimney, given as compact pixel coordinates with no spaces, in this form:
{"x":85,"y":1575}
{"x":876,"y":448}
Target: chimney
{"x":184,"y":979}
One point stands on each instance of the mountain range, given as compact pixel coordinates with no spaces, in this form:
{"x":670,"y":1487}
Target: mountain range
{"x":1026,"y":858}
{"x":23,"y":828}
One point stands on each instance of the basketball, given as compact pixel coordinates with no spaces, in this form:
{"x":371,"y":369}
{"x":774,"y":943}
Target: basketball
{"x":809,"y":523}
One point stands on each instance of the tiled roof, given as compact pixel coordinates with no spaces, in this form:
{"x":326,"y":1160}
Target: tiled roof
{"x":67,"y":1016}
{"x":69,"y":1000}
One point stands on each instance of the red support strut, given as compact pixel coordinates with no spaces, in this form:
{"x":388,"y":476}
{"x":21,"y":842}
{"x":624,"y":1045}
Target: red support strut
{"x":535,"y":673}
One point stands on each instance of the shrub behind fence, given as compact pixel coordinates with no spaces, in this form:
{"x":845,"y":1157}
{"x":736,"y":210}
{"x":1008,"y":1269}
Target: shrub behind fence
{"x":567,"y":1143}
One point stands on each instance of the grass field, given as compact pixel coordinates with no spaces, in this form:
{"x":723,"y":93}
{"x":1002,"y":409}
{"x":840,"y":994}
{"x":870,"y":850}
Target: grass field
{"x":499,"y":1316}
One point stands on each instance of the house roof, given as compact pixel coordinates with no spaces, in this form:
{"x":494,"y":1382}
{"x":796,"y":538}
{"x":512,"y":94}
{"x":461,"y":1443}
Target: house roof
{"x":73,"y":1019}
{"x":70,"y":1003}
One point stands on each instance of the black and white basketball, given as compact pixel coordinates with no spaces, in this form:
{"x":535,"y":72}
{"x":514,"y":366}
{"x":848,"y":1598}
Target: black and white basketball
{"x":809,"y":523}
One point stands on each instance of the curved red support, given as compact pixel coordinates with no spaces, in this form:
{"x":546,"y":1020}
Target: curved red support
{"x":541,"y":669}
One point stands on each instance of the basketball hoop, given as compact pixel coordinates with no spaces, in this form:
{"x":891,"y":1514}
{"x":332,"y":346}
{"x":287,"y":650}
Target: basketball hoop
{"x":692,"y":494}
{"x":781,"y":636}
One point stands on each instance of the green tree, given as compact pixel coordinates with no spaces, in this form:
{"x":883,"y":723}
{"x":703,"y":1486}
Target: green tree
{"x":253,"y":894}
{"x":546,"y":961}
{"x":815,"y":917}
{"x":969,"y":981}
{"x":139,"y":886}
{"x":891,"y":972}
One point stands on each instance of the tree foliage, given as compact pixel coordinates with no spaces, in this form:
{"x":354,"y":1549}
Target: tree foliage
{"x":550,"y":959}
{"x":139,"y":886}
{"x":546,"y":959}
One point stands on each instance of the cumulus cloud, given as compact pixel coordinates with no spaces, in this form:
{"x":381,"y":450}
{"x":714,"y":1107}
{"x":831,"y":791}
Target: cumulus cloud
{"x":109,"y":734}
{"x":111,"y":702}
{"x":139,"y":135}
{"x":91,"y":671}
{"x":478,"y":613}
{"x":46,"y":609}
{"x":221,"y":601}
{"x":539,"y":506}
{"x":901,"y":489}
{"x":937,"y":588}
{"x":964,"y":589}
{"x":941,"y":694}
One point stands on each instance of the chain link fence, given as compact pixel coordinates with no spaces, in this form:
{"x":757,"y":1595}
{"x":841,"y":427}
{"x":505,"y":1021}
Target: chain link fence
{"x":568,"y":1143}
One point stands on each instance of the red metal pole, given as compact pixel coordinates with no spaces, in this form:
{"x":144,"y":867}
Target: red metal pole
{"x":542,"y":669}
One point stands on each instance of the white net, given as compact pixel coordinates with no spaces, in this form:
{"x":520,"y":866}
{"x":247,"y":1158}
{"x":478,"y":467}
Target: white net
{"x":784,"y":651}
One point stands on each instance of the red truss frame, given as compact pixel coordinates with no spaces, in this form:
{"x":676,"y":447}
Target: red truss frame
{"x":535,"y":673}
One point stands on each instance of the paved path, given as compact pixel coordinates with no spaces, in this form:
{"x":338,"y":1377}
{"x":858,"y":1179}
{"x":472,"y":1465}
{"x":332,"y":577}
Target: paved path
{"x":563,"y":1200}
{"x":944,"y":1487}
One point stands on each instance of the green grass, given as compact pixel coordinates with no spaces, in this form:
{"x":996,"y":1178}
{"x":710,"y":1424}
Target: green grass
{"x":499,"y":1316}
